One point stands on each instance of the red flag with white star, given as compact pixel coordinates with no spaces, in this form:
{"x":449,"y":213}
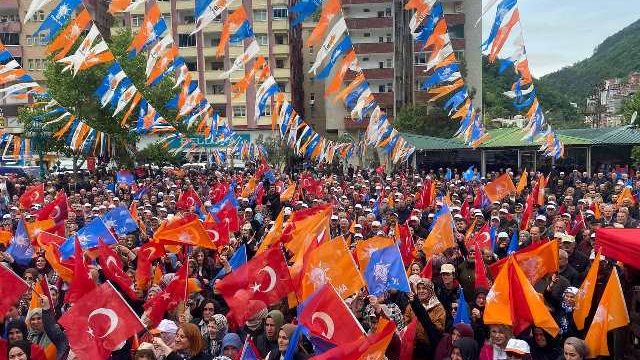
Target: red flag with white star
{"x":99,"y":323}
{"x":82,"y":282}
{"x":13,"y":286}
{"x":33,"y":195}
{"x":265,"y":277}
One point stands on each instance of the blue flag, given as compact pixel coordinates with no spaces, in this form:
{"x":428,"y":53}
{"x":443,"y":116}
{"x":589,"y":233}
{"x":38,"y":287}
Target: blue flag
{"x":468,"y":175}
{"x":513,"y":244}
{"x":522,"y":104}
{"x":140,"y":193}
{"x":119,"y":219}
{"x":493,"y":234}
{"x":456,"y":100}
{"x":238,"y":259}
{"x":462,"y":315}
{"x":89,"y":237}
{"x":124,"y":177}
{"x":293,"y":343}
{"x":430,"y":22}
{"x":58,"y":18}
{"x":386,"y":271}
{"x":448,"y":175}
{"x":439,"y":75}
{"x":20,"y":247}
{"x":243,"y":32}
{"x":248,"y":352}
{"x":304,"y":9}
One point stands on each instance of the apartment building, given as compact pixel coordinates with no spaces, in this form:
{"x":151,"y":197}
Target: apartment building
{"x":270,"y":21}
{"x":391,"y":61}
{"x":29,"y":50}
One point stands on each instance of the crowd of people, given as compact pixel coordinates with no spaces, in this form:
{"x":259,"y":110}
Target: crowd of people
{"x":365,"y":203}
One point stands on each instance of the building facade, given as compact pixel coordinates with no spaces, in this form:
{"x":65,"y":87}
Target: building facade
{"x":391,"y":61}
{"x":270,"y":22}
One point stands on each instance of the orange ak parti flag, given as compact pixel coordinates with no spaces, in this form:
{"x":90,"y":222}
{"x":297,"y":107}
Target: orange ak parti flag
{"x":585,"y":294}
{"x":542,"y":183}
{"x":610,"y":314}
{"x":441,"y":236}
{"x":535,"y":260}
{"x":273,"y":236}
{"x":625,"y":194}
{"x":191,"y":233}
{"x":331,"y":262}
{"x":522,"y":183}
{"x":499,"y":188}
{"x":306,"y":229}
{"x":512,"y":291}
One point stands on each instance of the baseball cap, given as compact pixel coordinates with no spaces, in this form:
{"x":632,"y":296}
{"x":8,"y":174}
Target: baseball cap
{"x":334,"y":217}
{"x":503,"y":234}
{"x":414,"y":218}
{"x":503,"y":210}
{"x":518,"y":346}
{"x":541,"y":217}
{"x":288,"y":211}
{"x":567,"y":238}
{"x":447,"y":268}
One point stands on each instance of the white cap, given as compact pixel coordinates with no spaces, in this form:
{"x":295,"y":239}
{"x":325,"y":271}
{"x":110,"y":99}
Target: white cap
{"x":248,"y":210}
{"x":495,"y":218}
{"x":414,"y":218}
{"x":457,"y":216}
{"x":334,"y":217}
{"x":358,"y":206}
{"x":287,"y":211}
{"x":541,"y":217}
{"x":376,"y":223}
{"x":503,"y":234}
{"x":357,"y":226}
{"x":503,"y":210}
{"x":518,"y":346}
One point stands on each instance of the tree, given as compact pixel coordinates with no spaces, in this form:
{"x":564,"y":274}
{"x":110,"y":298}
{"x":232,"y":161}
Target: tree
{"x":425,"y":120}
{"x":77,"y":95}
{"x":159,"y":155}
{"x":278,"y":152}
{"x":630,"y":106}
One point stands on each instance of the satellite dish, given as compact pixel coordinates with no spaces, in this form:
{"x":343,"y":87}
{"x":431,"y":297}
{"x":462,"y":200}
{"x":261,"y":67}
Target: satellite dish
{"x":633,"y":117}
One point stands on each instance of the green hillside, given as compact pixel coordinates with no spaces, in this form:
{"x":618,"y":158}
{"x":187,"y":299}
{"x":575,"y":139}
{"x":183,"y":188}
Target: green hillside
{"x":617,"y":56}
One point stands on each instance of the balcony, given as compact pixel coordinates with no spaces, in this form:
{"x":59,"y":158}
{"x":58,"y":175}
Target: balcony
{"x":372,"y":74}
{"x":12,"y":27}
{"x":385,"y":98}
{"x":373,"y":48}
{"x":184,"y":5}
{"x":454,"y":19}
{"x":351,"y":124}
{"x":370,"y":23}
{"x":280,"y":25}
{"x":281,"y":74}
{"x":15,"y":50}
{"x":217,"y":99}
{"x":9,"y":5}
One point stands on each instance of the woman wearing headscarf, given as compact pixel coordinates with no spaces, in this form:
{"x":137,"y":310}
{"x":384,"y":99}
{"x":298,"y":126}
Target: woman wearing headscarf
{"x":446,"y":343}
{"x":464,"y":349}
{"x":254,"y":326}
{"x":217,"y":329}
{"x":544,"y":346}
{"x":431,"y":315}
{"x":17,"y":331}
{"x":44,"y":330}
{"x":480,"y":330}
{"x":562,"y":312}
{"x":268,"y":340}
{"x":284,"y":337}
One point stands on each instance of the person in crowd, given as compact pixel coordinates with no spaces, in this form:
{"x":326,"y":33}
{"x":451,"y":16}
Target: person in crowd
{"x":575,"y":349}
{"x":188,"y":344}
{"x":494,"y":348}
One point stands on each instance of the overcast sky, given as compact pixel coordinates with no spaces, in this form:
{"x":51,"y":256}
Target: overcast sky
{"x":559,"y":33}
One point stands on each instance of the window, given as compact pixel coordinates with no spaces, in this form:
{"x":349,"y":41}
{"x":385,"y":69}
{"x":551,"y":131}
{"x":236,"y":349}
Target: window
{"x":381,"y":64}
{"x":367,"y":34}
{"x":387,"y":12}
{"x":215,"y":41}
{"x":39,"y":64}
{"x":456,"y":31}
{"x":192,"y":65}
{"x":281,"y":39}
{"x":38,"y":16}
{"x":260,"y":15}
{"x":421,"y":58}
{"x":186,"y":40}
{"x":365,"y":59}
{"x":29,"y":40}
{"x":459,"y":54}
{"x":267,"y":110}
{"x":239,"y":111}
{"x":217,"y":65}
{"x":217,"y":89}
{"x":389,"y":38}
{"x":30,"y":64}
{"x":10,"y":38}
{"x":43,"y":39}
{"x":311,"y":50}
{"x":189,"y":19}
{"x":380,"y":39}
{"x":366,"y":10}
{"x":136,"y":20}
{"x":262,"y":39}
{"x":380,"y":88}
{"x":389,"y":63}
{"x":280,"y":13}
{"x":280,"y":64}
{"x":282,"y":85}
{"x":389,"y":87}
{"x":312,"y":99}
{"x":380,"y":14}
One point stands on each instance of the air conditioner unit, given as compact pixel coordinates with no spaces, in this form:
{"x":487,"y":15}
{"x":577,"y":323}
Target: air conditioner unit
{"x":458,"y":7}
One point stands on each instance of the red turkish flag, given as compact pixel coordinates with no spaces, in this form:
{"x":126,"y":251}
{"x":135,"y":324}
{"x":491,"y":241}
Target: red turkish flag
{"x":99,"y":323}
{"x":482,"y":238}
{"x":82,"y":283}
{"x":407,"y":338}
{"x":528,"y":211}
{"x":169,"y":299}
{"x":188,"y":199}
{"x":12,"y":288}
{"x":45,"y":238}
{"x":111,"y":266}
{"x":265,"y":277}
{"x":58,"y":210}
{"x":218,"y":231}
{"x":218,"y":192}
{"x":481,"y":280}
{"x":229,"y":214}
{"x":369,"y":347}
{"x":146,"y":254}
{"x":33,"y":195}
{"x":326,"y":315}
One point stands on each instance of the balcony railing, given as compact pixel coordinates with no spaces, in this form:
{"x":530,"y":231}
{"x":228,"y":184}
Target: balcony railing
{"x":369,"y":23}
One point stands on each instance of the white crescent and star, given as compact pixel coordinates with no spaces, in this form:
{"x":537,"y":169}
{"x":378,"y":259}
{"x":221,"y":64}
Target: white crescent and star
{"x":272,"y":280}
{"x":111,"y":261}
{"x":216,"y":236}
{"x":35,"y":196}
{"x":113,"y":320}
{"x":55,"y":213}
{"x":328,"y":321}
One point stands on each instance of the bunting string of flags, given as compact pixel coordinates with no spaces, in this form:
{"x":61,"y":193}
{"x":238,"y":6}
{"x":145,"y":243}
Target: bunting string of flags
{"x":81,"y":137}
{"x":429,"y":29}
{"x":507,"y":26}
